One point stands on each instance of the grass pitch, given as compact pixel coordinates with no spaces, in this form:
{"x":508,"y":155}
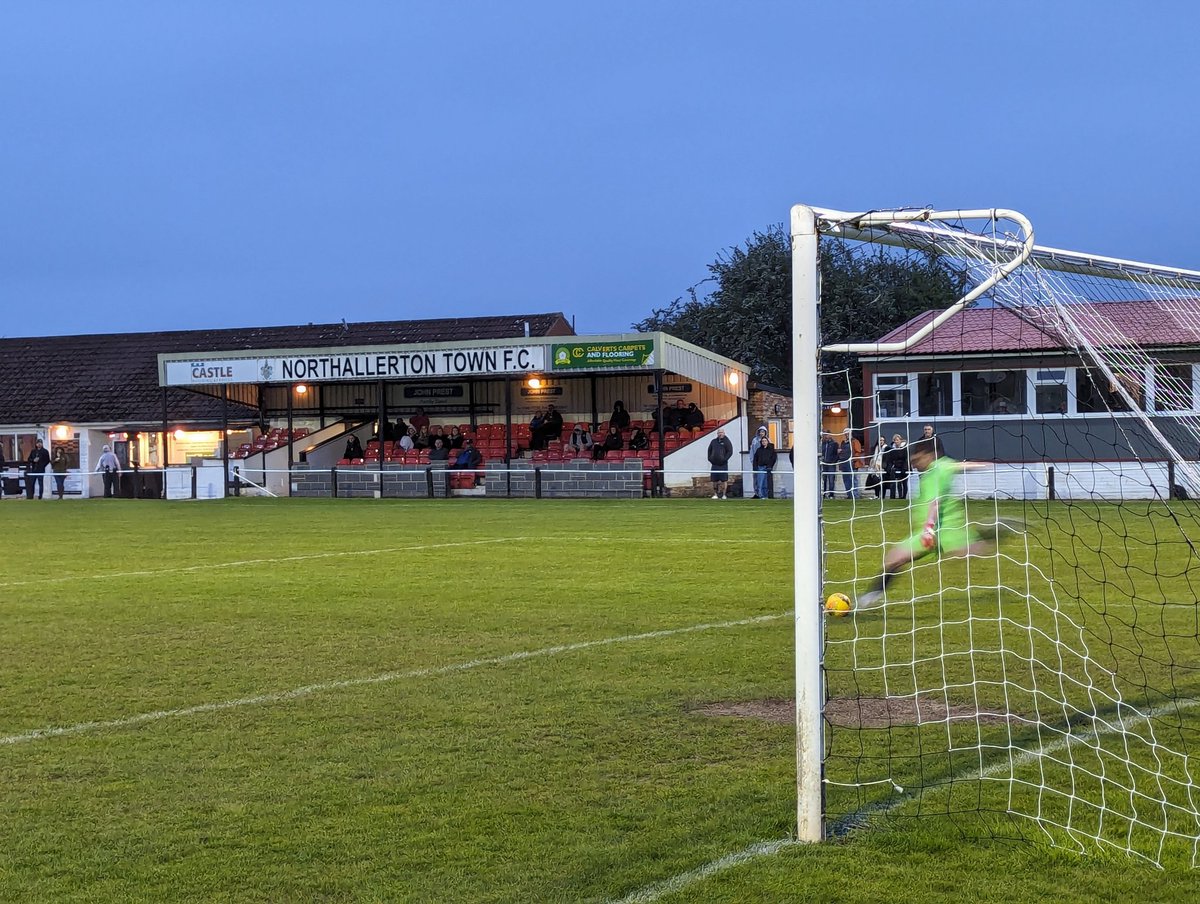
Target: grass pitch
{"x":466,"y":700}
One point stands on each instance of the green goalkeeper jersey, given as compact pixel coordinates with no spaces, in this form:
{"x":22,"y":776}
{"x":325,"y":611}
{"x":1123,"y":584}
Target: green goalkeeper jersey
{"x":939,"y":517}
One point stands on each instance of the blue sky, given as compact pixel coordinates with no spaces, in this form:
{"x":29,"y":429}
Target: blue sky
{"x":203,"y":165}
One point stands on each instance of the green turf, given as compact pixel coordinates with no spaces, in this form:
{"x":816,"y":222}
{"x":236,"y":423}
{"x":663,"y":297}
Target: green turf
{"x":446,"y":768}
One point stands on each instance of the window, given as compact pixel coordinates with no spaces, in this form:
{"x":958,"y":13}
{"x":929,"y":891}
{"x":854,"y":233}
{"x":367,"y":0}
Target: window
{"x":891,"y":396}
{"x":1095,"y":392}
{"x":992,"y":392}
{"x":1050,"y":391}
{"x":1173,"y":387}
{"x":934,"y":395}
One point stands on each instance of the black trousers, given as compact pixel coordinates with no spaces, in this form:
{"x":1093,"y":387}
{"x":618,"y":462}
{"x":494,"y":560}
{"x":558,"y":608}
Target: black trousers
{"x":30,"y":480}
{"x":110,"y":482}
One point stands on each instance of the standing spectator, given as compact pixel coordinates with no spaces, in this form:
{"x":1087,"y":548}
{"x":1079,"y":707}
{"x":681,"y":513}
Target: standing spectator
{"x":846,"y":464}
{"x":59,"y":464}
{"x":764,"y":460}
{"x":638,"y":440}
{"x":693,"y":418}
{"x":759,"y":436}
{"x":895,"y":469}
{"x":3,"y":469}
{"x":620,"y":417}
{"x":419,"y":420}
{"x":829,"y":460}
{"x":552,"y":426}
{"x":354,"y":448}
{"x":110,"y":467}
{"x":35,"y":469}
{"x":720,"y":450}
{"x":875,"y":469}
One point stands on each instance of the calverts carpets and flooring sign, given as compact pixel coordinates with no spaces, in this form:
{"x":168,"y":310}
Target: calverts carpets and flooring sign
{"x":604,"y":354}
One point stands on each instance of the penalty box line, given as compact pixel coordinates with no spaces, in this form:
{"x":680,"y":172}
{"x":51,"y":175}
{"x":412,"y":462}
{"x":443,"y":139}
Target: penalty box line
{"x":247,"y":563}
{"x":309,"y":690}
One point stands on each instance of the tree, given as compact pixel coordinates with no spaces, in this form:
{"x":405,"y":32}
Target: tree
{"x":866,"y":291}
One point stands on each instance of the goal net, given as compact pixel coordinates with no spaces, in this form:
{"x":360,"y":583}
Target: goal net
{"x":1021,"y":652}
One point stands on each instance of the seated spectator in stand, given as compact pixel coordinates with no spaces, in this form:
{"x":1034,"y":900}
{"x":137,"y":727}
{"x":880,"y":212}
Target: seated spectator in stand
{"x":581,"y":439}
{"x":535,"y":430}
{"x":420,"y":419}
{"x":654,"y":420}
{"x":435,"y":433}
{"x":439,"y":452}
{"x":407,"y":441}
{"x":468,"y":456}
{"x":675,"y":416}
{"x":638,"y":440}
{"x":354,"y":448}
{"x":612,"y":440}
{"x":423,"y":440}
{"x":455,"y":439}
{"x":620,"y":417}
{"x":693,"y":418}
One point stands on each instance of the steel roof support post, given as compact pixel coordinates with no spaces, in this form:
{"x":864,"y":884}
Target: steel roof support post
{"x":225,"y":438}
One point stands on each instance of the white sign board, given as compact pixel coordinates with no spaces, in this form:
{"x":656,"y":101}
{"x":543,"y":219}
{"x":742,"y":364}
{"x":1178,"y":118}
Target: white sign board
{"x":356,"y":366}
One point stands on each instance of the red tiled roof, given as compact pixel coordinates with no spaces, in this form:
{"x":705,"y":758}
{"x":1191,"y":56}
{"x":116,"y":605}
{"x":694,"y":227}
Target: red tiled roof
{"x":1162,"y":324}
{"x":114,"y":377}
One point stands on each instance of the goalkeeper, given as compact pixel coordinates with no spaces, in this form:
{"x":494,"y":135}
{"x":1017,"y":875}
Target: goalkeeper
{"x":939,"y":519}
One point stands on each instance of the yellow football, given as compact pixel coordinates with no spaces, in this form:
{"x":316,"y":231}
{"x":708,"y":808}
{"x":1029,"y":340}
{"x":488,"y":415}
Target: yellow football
{"x":838,"y":604}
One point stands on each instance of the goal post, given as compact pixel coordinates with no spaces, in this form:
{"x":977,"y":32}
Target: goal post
{"x":1046,"y":670}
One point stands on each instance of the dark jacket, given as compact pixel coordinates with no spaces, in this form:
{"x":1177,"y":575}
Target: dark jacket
{"x":829,"y":451}
{"x":38,"y":459}
{"x":765,"y":456}
{"x":693,"y":417}
{"x":845,"y":451}
{"x":639,"y":440}
{"x":895,"y":461}
{"x":552,"y":426}
{"x":720,"y":450}
{"x":620,"y":417}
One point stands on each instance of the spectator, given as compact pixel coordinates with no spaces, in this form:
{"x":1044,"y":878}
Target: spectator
{"x":552,"y":426}
{"x":435,"y":433}
{"x":895,"y":469}
{"x":468,"y":456}
{"x":846,"y":464}
{"x":638,"y":440}
{"x":422,"y":440}
{"x":612,"y":440}
{"x":439,"y":452}
{"x":875,"y":469}
{"x":620,"y":417}
{"x":3,"y":469}
{"x":656,"y":419}
{"x":419,"y":420}
{"x":35,"y":469}
{"x":675,"y":416}
{"x":399,"y":429}
{"x":829,"y":459}
{"x":110,"y":467}
{"x":763,"y":461}
{"x":720,"y":450}
{"x":408,"y":440}
{"x":59,"y":464}
{"x":580,"y":440}
{"x":693,"y":417}
{"x":354,"y":448}
{"x":455,"y":439}
{"x":535,"y":430}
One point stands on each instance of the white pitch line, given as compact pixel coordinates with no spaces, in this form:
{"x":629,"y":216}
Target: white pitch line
{"x":296,"y":693}
{"x":677,"y":883}
{"x":246,"y":563}
{"x":651,"y":893}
